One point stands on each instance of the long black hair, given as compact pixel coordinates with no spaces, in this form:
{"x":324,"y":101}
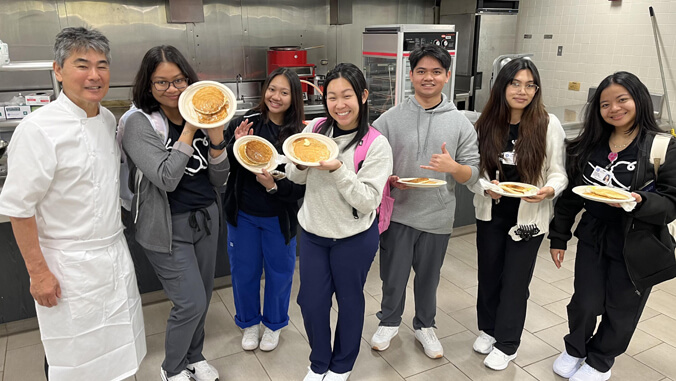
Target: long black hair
{"x":141,"y":91}
{"x":355,"y":77}
{"x":294,"y":115}
{"x":596,"y":131}
{"x":493,"y":126}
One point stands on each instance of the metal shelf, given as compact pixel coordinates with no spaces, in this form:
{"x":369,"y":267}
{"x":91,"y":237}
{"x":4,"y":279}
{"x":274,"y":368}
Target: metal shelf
{"x":35,"y":66}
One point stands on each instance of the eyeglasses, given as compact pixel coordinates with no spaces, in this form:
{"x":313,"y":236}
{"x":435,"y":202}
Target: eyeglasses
{"x":179,"y":84}
{"x":530,"y":88}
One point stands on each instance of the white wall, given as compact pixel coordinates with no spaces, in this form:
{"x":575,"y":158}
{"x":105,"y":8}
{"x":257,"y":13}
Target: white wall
{"x":598,"y":37}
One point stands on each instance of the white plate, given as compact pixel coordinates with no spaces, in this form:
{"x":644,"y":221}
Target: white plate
{"x":188,"y":112}
{"x":272,"y":164}
{"x":437,"y":183}
{"x":288,"y":148}
{"x":582,"y":190}
{"x":527,"y":194}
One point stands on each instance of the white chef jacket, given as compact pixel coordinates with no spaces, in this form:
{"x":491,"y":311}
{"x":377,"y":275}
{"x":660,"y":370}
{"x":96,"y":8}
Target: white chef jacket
{"x":63,"y":169}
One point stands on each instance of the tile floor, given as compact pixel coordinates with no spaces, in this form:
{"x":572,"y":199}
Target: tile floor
{"x":649,"y":357}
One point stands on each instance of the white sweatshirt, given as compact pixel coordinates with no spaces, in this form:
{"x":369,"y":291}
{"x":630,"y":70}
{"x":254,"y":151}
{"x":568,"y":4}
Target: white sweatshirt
{"x":330,"y":196}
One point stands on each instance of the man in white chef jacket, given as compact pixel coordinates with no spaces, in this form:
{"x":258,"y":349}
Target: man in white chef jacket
{"x":61,"y":195}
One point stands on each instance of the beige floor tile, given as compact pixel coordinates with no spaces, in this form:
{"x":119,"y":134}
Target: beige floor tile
{"x":222,"y":336}
{"x":458,"y":272}
{"x":469,"y":237}
{"x":661,"y":358}
{"x":532,"y":350}
{"x":453,"y":298}
{"x":641,"y":341}
{"x":559,"y":307}
{"x":3,"y":350}
{"x":542,"y":370}
{"x":371,"y":366}
{"x":290,"y":360}
{"x":372,"y":304}
{"x":23,"y":339}
{"x":554,"y":336}
{"x":132,"y":378}
{"x":25,"y":363}
{"x":626,"y":368}
{"x":447,"y":372}
{"x":228,"y":300}
{"x":467,"y":317}
{"x":546,"y":269}
{"x":155,"y":317}
{"x":648,"y":313}
{"x":539,"y":318}
{"x":243,"y":366}
{"x":542,"y":292}
{"x":150,"y":367}
{"x":668,"y":286}
{"x":474,"y":291}
{"x":373,"y":285}
{"x":405,"y":354}
{"x":565,"y":285}
{"x":463,"y":251}
{"x":1,"y":375}
{"x":663,"y":302}
{"x":458,"y":350}
{"x":661,"y":327}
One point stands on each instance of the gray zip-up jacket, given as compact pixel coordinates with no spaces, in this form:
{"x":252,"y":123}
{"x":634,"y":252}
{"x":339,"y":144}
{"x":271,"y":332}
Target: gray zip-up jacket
{"x":162,"y":170}
{"x":415,"y":134}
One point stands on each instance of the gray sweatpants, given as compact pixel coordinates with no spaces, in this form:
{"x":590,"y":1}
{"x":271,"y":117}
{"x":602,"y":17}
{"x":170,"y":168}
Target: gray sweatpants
{"x":401,"y":247}
{"x":187,"y":276}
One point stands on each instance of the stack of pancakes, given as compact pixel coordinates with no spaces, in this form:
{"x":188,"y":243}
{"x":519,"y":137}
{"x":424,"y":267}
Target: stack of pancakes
{"x":210,"y":104}
{"x":515,"y":189}
{"x":255,"y":153}
{"x":310,"y":150}
{"x":422,"y":180}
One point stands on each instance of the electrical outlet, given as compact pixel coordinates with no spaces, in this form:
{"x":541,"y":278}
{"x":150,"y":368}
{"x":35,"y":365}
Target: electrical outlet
{"x":559,"y":51}
{"x":575,"y":86}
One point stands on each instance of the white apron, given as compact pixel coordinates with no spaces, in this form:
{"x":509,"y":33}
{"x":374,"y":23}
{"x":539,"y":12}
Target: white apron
{"x":96,"y":331}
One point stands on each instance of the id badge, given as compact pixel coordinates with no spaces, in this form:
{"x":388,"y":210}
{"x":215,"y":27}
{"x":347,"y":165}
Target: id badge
{"x":508,"y":158}
{"x":601,"y":175}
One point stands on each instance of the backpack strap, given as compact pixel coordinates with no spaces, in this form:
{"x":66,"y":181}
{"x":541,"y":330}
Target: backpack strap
{"x":658,"y":151}
{"x":363,"y":147}
{"x":318,"y":124}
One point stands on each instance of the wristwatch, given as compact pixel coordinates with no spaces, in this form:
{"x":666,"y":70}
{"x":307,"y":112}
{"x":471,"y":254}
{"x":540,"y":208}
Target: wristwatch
{"x":272,"y":190}
{"x":219,"y":146}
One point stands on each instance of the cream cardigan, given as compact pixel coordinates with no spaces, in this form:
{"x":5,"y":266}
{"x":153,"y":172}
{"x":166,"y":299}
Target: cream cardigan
{"x":554,"y":175}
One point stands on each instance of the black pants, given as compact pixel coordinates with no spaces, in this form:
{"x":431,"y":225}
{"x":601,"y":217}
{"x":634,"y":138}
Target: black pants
{"x":505,"y":271}
{"x":602,"y":287}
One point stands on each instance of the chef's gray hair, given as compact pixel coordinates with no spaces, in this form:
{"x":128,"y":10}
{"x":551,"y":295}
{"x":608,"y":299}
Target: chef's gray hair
{"x":73,"y":39}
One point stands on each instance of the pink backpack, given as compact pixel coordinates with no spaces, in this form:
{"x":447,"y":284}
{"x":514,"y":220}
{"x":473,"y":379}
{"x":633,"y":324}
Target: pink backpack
{"x":387,"y":203}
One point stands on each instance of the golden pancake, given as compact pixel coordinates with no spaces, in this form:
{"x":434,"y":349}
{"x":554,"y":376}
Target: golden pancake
{"x":418,"y":180}
{"x":257,"y":152}
{"x":310,"y":150}
{"x":208,"y":100}
{"x":242,"y":155}
{"x":213,"y":118}
{"x":515,"y":189}
{"x":606,"y":193}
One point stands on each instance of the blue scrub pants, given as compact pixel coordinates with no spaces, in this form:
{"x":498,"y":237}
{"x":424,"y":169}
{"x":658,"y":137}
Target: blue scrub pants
{"x":339,"y":266}
{"x":257,"y":243}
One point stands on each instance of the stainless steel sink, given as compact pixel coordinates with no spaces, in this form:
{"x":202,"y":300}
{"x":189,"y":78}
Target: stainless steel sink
{"x":245,"y":105}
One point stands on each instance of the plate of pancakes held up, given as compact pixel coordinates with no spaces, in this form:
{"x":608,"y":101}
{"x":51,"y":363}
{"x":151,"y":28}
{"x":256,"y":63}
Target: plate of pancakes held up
{"x":603,"y":194}
{"x":421,"y":182}
{"x":255,"y":153}
{"x":516,"y":189}
{"x":207,"y":104}
{"x":309,"y":148}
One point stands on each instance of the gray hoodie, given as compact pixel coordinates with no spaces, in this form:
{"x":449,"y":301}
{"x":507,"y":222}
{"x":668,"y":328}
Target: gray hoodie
{"x":415,"y":134}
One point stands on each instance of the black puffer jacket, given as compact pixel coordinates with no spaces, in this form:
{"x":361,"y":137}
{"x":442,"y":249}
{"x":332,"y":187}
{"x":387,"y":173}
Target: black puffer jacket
{"x":284,"y":201}
{"x":648,"y":246}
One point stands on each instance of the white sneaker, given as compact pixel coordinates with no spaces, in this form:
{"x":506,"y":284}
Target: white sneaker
{"x":183,"y":376}
{"x":498,"y":360}
{"x":566,"y":365}
{"x":330,"y":376}
{"x":587,"y":373}
{"x":312,"y":376}
{"x":381,"y":339}
{"x":270,"y":339}
{"x":430,"y":343}
{"x":202,"y":371}
{"x":484,"y":343}
{"x":250,"y":338}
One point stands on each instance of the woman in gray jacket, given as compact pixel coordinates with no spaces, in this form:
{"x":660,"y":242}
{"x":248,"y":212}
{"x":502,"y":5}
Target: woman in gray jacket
{"x":174,"y":168}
